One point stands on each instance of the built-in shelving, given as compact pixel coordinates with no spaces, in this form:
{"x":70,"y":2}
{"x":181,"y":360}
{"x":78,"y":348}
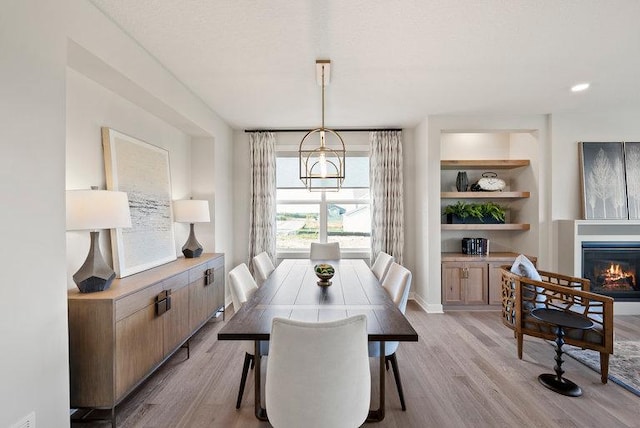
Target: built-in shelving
{"x":487,"y":165}
{"x":484,"y":195}
{"x":506,"y":226}
{"x":484,"y":164}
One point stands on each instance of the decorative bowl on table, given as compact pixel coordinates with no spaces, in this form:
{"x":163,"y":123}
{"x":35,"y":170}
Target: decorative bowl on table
{"x":325,"y":272}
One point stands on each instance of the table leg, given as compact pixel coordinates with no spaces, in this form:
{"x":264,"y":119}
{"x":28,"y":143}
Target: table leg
{"x":378,"y":415}
{"x":556,"y":382}
{"x":261,"y":412}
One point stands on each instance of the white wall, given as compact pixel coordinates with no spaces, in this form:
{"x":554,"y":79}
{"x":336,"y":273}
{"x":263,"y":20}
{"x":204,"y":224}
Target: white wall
{"x":38,"y":39}
{"x":99,"y":50}
{"x":421,"y":236}
{"x":566,"y":131}
{"x":33,"y":308}
{"x":89,"y":107}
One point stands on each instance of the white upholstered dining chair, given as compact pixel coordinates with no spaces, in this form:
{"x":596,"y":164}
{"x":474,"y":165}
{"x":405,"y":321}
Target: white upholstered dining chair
{"x":381,"y":266}
{"x":318,"y":374}
{"x":262,"y":267}
{"x":396,"y":283}
{"x":242,"y":287}
{"x":328,"y":251}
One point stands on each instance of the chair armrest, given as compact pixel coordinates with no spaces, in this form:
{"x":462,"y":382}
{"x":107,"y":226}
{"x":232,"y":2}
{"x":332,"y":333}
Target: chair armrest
{"x":597,"y":307}
{"x":565,"y":280}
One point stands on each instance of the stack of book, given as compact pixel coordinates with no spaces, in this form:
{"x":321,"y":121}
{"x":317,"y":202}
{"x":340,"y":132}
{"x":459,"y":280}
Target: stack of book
{"x":475,"y":246}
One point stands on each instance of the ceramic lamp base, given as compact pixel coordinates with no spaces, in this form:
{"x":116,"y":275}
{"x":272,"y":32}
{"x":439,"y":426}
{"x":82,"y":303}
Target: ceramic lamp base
{"x":192,"y":248}
{"x":95,"y":274}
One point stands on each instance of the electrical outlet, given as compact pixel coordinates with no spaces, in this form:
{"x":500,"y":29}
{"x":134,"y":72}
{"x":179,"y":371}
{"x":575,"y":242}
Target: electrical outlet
{"x":28,"y":421}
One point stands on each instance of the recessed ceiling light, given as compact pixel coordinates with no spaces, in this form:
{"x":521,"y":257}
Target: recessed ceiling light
{"x":580,"y":87}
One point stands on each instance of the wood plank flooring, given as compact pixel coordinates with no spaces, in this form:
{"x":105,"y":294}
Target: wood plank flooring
{"x":463,"y":372}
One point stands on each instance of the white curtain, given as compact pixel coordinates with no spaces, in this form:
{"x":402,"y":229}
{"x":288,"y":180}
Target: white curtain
{"x":262,"y":215}
{"x":387,"y":207}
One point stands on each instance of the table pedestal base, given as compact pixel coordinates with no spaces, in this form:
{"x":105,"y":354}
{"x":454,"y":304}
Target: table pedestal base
{"x":562,"y":386}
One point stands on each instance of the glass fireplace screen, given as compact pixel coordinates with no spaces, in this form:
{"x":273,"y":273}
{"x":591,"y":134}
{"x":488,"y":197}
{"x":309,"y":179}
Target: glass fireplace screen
{"x":612,"y":268}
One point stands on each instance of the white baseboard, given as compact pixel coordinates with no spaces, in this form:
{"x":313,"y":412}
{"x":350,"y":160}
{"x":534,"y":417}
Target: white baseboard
{"x":430,"y":308}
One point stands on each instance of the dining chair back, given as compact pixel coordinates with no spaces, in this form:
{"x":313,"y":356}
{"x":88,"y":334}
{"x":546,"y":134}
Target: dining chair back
{"x":328,"y":251}
{"x":242,"y":287}
{"x":262,"y":267}
{"x":381,"y":266}
{"x":397,"y":284}
{"x":318,"y":373}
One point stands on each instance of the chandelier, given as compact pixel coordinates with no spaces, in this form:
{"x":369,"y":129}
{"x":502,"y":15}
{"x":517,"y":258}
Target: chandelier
{"x":322,"y":167}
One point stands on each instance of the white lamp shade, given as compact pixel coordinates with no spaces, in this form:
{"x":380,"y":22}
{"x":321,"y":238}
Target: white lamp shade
{"x":97,"y":209}
{"x":191,"y":211}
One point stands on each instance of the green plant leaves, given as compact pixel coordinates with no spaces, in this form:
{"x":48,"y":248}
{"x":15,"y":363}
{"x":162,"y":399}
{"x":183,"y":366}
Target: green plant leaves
{"x":477,"y":210}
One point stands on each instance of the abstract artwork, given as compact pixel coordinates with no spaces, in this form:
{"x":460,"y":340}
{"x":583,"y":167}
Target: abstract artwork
{"x":632,"y":170}
{"x":604,"y":192}
{"x":141,"y":170}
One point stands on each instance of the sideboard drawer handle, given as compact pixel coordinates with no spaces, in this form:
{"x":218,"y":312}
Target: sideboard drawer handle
{"x":163,"y":302}
{"x":208,"y":277}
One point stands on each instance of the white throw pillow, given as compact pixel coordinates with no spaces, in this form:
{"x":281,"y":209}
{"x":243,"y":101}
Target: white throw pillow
{"x":524,"y":267}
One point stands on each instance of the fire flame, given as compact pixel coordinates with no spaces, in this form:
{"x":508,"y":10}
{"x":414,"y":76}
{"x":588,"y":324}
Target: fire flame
{"x":615,"y":271}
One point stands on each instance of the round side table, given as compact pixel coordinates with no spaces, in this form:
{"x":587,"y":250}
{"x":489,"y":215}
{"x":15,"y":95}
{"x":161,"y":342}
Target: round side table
{"x":561,"y":320}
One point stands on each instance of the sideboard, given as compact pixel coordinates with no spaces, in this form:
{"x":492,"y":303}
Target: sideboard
{"x":119,"y":336}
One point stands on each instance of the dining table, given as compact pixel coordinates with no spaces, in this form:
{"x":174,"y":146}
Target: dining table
{"x":292,"y":291}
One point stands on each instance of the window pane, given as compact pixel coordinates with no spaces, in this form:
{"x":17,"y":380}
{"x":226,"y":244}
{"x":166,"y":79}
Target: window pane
{"x":349,"y":224}
{"x":356,"y":172}
{"x":349,"y":194}
{"x":288,"y":172}
{"x":297,"y":195}
{"x":297,"y":225}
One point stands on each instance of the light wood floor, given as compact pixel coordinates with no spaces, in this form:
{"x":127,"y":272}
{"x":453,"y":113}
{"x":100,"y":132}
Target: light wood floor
{"x":463,"y":372}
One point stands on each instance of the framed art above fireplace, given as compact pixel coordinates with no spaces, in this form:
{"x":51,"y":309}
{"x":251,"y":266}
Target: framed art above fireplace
{"x":604,"y":190}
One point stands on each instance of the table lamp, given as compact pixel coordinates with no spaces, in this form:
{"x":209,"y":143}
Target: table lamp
{"x":191,"y":211}
{"x":94,"y":210}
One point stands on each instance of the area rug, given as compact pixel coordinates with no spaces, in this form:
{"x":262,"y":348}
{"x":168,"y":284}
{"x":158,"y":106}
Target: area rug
{"x":624,"y":364}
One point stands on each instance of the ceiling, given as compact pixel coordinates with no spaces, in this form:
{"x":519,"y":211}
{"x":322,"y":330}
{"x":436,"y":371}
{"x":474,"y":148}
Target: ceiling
{"x":392,"y":62}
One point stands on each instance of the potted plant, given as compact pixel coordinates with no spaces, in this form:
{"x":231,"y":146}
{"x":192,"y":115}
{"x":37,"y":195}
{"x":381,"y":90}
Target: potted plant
{"x":475,"y":213}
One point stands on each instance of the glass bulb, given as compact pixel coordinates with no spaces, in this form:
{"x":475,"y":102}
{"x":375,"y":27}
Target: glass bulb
{"x":323,"y":164}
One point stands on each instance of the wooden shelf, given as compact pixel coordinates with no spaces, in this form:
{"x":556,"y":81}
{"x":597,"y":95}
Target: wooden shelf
{"x":484,"y":195}
{"x":498,"y":256}
{"x":484,"y":164}
{"x":508,"y":226}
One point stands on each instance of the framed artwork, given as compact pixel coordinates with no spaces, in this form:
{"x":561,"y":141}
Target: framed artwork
{"x":604,"y":193}
{"x":632,"y":174}
{"x":141,"y":170}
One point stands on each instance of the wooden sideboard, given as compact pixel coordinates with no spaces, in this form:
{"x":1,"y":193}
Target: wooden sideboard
{"x":119,"y":336}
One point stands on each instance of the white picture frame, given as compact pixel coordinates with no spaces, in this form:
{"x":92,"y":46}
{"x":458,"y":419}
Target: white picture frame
{"x":604,"y":190}
{"x":632,"y":175}
{"x":142,"y":170}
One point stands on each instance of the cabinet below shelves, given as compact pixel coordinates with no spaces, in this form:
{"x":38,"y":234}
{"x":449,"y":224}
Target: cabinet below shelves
{"x":473,"y":280}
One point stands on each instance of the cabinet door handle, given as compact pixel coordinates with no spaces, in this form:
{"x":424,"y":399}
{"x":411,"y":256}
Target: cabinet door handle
{"x":465,"y":273}
{"x":209,"y":276}
{"x":163,"y":302}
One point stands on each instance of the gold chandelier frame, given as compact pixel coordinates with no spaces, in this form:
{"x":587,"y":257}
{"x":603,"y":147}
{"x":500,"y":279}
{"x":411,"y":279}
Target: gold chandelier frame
{"x":322,"y":168}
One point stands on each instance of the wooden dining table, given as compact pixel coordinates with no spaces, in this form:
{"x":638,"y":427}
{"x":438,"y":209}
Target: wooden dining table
{"x":291,"y":291}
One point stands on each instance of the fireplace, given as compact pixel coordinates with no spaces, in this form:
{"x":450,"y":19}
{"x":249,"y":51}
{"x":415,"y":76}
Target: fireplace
{"x":612,"y":268}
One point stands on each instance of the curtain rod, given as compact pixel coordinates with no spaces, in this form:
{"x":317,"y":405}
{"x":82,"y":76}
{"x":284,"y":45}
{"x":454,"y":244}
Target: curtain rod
{"x":337,"y":130}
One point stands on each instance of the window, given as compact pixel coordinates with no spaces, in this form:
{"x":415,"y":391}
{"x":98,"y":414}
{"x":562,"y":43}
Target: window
{"x":304,"y":217}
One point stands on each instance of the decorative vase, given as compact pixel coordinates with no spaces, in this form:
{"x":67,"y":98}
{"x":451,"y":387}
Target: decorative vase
{"x":462,"y":181}
{"x":324,"y":272}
